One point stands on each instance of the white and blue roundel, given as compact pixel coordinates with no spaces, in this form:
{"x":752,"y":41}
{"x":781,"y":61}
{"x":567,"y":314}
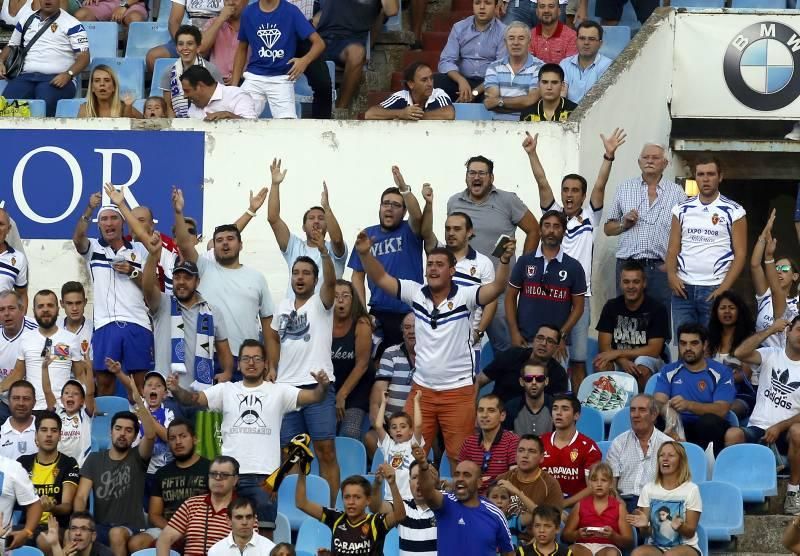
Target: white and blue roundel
{"x":762,"y":66}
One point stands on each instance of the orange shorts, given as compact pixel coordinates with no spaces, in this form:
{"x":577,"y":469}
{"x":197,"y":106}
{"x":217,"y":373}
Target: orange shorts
{"x":452,"y":411}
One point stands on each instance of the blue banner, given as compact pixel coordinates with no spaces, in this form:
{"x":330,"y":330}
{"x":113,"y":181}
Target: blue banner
{"x":47,"y":176}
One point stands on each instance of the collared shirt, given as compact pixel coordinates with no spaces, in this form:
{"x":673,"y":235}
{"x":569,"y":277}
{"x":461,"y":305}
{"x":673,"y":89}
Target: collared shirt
{"x":474,"y":269}
{"x":709,"y":385}
{"x":256,"y":546}
{"x":537,"y":112}
{"x":497,"y":460}
{"x":200,"y":525}
{"x":649,"y":237}
{"x":551,"y":50}
{"x":501,"y":75}
{"x":395,"y":367}
{"x":630,"y":464}
{"x":579,"y":236}
{"x":226,"y":99}
{"x":13,"y":269}
{"x":470,"y":51}
{"x":579,"y":80}
{"x":14,"y":443}
{"x":401,"y":99}
{"x":16,"y":488}
{"x":55,"y":51}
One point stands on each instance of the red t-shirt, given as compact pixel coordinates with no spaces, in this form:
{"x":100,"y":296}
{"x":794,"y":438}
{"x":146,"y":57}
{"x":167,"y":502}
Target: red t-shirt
{"x":570,"y":465}
{"x":588,"y":517}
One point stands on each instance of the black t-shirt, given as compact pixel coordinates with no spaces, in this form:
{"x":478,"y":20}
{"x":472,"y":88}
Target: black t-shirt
{"x":174,"y":485}
{"x":536,"y":113}
{"x":343,"y":356}
{"x":633,"y":329}
{"x":364,"y":538}
{"x":48,"y":480}
{"x":506,"y":365}
{"x":343,"y":19}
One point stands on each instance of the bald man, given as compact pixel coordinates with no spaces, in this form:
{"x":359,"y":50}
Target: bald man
{"x":14,"y":271}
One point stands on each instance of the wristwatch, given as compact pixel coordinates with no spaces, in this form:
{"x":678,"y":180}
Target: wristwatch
{"x":123,"y":4}
{"x":500,"y":103}
{"x":71,"y":73}
{"x":134,"y":274}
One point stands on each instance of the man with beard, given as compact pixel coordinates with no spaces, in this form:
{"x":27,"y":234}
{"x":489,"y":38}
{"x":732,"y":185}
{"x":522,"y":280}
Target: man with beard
{"x":299,"y":340}
{"x":397,"y":244}
{"x":465,"y":522}
{"x":238,"y":292}
{"x":551,"y":40}
{"x":445,"y":367}
{"x":320,"y":218}
{"x":176,"y":482}
{"x":116,"y":477}
{"x":530,"y":413}
{"x":48,"y":341}
{"x":698,"y":388}
{"x":80,"y":539}
{"x":18,"y":433}
{"x":552,"y":285}
{"x":14,"y":324}
{"x":122,"y":327}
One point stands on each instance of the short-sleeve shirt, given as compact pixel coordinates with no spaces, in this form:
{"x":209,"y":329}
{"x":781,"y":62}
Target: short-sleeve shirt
{"x":542,"y":490}
{"x":778,"y":396}
{"x":305,"y":335}
{"x":296,"y":247}
{"x":580,"y":80}
{"x":712,"y":384}
{"x":115,"y":483}
{"x":402,"y":99}
{"x":400,"y":252}
{"x":551,"y":50}
{"x":272,"y":37}
{"x":65,"y":350}
{"x":251,"y":422}
{"x":502,"y":455}
{"x":14,"y":443}
{"x":465,"y":530}
{"x":474,"y":269}
{"x":633,"y":329}
{"x":706,"y":239}
{"x":9,"y":346}
{"x":662,"y":506}
{"x":54,"y":51}
{"x":343,"y":19}
{"x":200,"y":11}
{"x":570,"y":465}
{"x":498,"y":215}
{"x":444,"y":332}
{"x":240,"y":294}
{"x":398,"y":455}
{"x":364,"y":538}
{"x":537,"y":112}
{"x":501,"y":76}
{"x":632,"y":467}
{"x":175,"y":485}
{"x":546,"y":289}
{"x":49,"y":479}
{"x":765,"y":317}
{"x":395,"y":368}
{"x":76,"y":433}
{"x":13,"y":269}
{"x":16,"y":489}
{"x":579,"y":236}
{"x":200,"y":525}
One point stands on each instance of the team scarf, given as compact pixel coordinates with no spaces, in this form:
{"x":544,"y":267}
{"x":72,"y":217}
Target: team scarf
{"x":203,"y":348}
{"x":180,"y":104}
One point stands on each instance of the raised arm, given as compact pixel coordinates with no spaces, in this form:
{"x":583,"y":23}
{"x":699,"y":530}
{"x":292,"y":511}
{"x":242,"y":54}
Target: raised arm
{"x":529,"y":144}
{"x":747,"y":351}
{"x":301,"y":499}
{"x":373,"y":268}
{"x":47,"y":386}
{"x":185,"y":397}
{"x":279,"y":227}
{"x":756,"y":270}
{"x":610,"y":144}
{"x":79,"y":238}
{"x":491,"y":291}
{"x":428,"y":236}
{"x":412,"y":205}
{"x":117,"y":197}
{"x":778,"y":297}
{"x":334,"y":230}
{"x":328,"y":289}
{"x":256,"y":202}
{"x":433,"y":497}
{"x":380,"y":416}
{"x":186,"y":241}
{"x":398,"y":512}
{"x":307,"y":397}
{"x":150,"y":285}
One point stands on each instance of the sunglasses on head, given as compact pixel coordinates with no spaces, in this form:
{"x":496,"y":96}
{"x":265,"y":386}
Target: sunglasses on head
{"x":531,"y":378}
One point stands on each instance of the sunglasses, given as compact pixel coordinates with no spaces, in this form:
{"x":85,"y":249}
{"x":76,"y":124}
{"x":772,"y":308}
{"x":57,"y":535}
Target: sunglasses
{"x":537,"y":378}
{"x":434,"y":318}
{"x":487,"y":457}
{"x":48,"y":343}
{"x":783,"y":267}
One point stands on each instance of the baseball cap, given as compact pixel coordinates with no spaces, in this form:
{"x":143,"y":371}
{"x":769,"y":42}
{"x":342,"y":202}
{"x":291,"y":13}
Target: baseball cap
{"x":186,"y":266}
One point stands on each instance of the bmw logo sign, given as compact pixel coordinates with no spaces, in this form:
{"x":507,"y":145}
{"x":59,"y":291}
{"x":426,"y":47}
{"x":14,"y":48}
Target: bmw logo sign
{"x":762,"y":66}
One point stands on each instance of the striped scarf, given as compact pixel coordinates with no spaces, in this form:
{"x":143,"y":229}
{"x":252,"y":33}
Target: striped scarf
{"x":203,"y":348}
{"x":180,"y":104}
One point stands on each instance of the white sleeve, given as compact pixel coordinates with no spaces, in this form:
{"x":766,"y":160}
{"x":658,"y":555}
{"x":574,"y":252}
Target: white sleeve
{"x":266,"y":309}
{"x":407,"y":290}
{"x":644,"y":497}
{"x":22,"y":277}
{"x":24,"y":492}
{"x":75,"y":349}
{"x":693,"y":501}
{"x":214,"y":396}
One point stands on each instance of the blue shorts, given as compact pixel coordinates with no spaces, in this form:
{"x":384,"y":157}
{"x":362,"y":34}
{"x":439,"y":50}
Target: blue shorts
{"x":126,"y":342}
{"x":249,"y":486}
{"x":579,"y":336}
{"x":103,"y":530}
{"x":172,"y":48}
{"x":335,"y":47}
{"x":317,"y":419}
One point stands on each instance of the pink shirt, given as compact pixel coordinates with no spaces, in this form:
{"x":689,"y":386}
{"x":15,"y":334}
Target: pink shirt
{"x":224,"y":49}
{"x":563,"y":43}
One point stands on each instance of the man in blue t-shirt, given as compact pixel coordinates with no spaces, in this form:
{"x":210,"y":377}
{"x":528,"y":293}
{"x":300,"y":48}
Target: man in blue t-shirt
{"x":397,"y":244}
{"x":698,"y":388}
{"x":271,"y":29}
{"x":466,"y":524}
{"x":547,"y":286}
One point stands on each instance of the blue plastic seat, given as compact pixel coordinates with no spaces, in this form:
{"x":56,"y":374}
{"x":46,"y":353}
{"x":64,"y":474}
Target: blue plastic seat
{"x":623,"y":383}
{"x":471,"y":111}
{"x":164,"y":8}
{"x":760,"y":4}
{"x":3,"y":84}
{"x":149,"y":552}
{"x":351,"y":455}
{"x":698,"y":4}
{"x":650,"y":387}
{"x":27,"y":551}
{"x":605,"y":446}
{"x":591,"y":423}
{"x":702,"y":540}
{"x":37,"y":106}
{"x":302,"y":90}
{"x":68,"y":107}
{"x":697,"y":462}
{"x":283,"y":531}
{"x":139,"y":104}
{"x":487,"y":355}
{"x":377,"y":459}
{"x":723,"y":510}
{"x":313,"y":535}
{"x":444,"y":467}
{"x":103,"y":38}
{"x":620,"y":423}
{"x":162,"y":65}
{"x":592,"y":347}
{"x":391,"y":545}
{"x":317,"y":490}
{"x":751,"y":467}
{"x":130,"y":72}
{"x":615,"y":39}
{"x":105,"y":408}
{"x":732,"y":419}
{"x":144,"y":35}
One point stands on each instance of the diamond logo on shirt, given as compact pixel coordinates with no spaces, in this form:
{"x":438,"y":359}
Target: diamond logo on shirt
{"x":269,"y":35}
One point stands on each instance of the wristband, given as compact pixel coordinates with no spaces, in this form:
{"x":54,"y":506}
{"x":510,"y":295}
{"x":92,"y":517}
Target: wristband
{"x":28,"y":533}
{"x":770,"y":261}
{"x":406,"y":192}
{"x":86,"y":218}
{"x":505,"y":261}
{"x":250,"y":212}
{"x":609,"y":158}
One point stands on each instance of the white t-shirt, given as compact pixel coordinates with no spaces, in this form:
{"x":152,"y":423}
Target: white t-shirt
{"x":17,"y":488}
{"x":84,"y":334}
{"x":706,"y":239}
{"x":765,"y":318}
{"x":65,"y":348}
{"x":76,"y":434}
{"x":578,"y":240}
{"x":200,"y":11}
{"x":55,"y":51}
{"x":296,"y":247}
{"x":9,"y":347}
{"x":663,"y":505}
{"x":400,"y":458}
{"x":778,"y":395}
{"x":13,"y":269}
{"x":305,"y":335}
{"x":475,"y":269}
{"x":251,"y":422}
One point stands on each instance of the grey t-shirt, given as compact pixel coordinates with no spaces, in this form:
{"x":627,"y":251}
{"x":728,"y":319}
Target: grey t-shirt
{"x":240,"y":295}
{"x":342,"y":19}
{"x":162,"y":333}
{"x":528,"y":422}
{"x":163,"y":81}
{"x":496,"y":216}
{"x":115,"y":485}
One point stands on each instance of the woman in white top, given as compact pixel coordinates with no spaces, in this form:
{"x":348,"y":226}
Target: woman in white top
{"x":669,"y":508}
{"x":775,"y":283}
{"x":11,"y":10}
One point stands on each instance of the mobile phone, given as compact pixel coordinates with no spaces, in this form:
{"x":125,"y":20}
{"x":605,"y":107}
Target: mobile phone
{"x":500,"y":246}
{"x":594,"y":529}
{"x":116,"y":259}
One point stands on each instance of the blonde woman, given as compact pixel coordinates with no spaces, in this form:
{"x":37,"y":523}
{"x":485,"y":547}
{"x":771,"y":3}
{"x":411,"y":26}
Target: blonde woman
{"x":669,"y":508}
{"x":103,"y":98}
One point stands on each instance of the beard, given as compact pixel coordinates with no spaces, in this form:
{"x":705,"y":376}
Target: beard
{"x":46,"y":322}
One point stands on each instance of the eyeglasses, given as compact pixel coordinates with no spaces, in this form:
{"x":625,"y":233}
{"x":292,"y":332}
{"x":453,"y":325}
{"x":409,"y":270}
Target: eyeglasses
{"x":249,"y":358}
{"x":342,"y":296}
{"x":541,"y":338}
{"x":220,"y":475}
{"x":477,"y":173}
{"x":434,"y":318}
{"x":76,"y":529}
{"x":48,"y":343}
{"x":487,"y":457}
{"x":783,"y":267}
{"x":192,"y":231}
{"x":392,"y":204}
{"x":537,"y":378}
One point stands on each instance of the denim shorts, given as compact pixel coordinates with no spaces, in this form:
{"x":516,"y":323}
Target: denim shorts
{"x":579,"y":335}
{"x":753,"y":435}
{"x":317,"y":419}
{"x":249,"y":486}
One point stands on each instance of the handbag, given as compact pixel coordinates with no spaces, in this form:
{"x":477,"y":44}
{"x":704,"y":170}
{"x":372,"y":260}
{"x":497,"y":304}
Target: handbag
{"x":16,"y":55}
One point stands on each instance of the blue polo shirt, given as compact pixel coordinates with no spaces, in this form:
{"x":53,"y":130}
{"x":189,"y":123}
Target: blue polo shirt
{"x":400,"y":253}
{"x":272,"y":37}
{"x":546,"y":290}
{"x":712,"y":384}
{"x":479,"y":531}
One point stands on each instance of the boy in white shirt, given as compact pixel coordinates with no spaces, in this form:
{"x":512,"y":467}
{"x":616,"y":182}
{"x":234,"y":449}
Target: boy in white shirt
{"x":396,"y":445}
{"x":76,"y":408}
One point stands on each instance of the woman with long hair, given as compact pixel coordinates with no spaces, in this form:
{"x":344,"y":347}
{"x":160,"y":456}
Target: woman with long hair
{"x":669,"y":508}
{"x":103,"y":99}
{"x":351,"y":353}
{"x":731,"y":322}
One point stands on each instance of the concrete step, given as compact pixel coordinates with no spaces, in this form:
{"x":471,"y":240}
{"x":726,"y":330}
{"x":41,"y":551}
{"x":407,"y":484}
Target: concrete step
{"x":762,"y":533}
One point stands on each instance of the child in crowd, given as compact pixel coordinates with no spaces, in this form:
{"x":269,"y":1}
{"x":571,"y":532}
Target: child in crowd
{"x":155,"y":107}
{"x":500,"y":496}
{"x":282,"y":549}
{"x":396,"y":446}
{"x":546,"y":522}
{"x":599,"y":526}
{"x":354,"y":527}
